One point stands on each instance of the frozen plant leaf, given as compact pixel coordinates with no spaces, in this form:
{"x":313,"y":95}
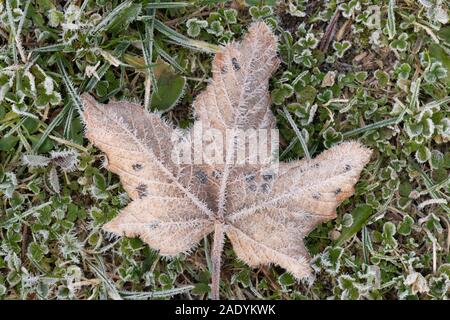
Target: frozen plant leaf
{"x":169,"y":86}
{"x":265,"y":213}
{"x":269,"y":226}
{"x":35,"y":160}
{"x":53,"y":180}
{"x":66,"y":160}
{"x":238,"y":96}
{"x":167,"y":212}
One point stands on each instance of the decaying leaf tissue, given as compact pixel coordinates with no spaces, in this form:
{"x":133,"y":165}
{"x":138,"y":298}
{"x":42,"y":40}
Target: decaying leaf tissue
{"x":265,"y":214}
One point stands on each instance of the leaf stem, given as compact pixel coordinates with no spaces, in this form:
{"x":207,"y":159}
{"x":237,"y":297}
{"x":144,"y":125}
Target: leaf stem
{"x":216,"y":255}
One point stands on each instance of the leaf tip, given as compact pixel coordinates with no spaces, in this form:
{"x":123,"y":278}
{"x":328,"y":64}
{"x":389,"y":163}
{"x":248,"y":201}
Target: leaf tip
{"x":357,"y":151}
{"x":112,"y":227}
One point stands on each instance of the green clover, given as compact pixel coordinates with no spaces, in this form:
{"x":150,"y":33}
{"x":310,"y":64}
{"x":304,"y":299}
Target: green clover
{"x":405,"y":227}
{"x":435,"y":72}
{"x":194,"y":26}
{"x":341,"y":47}
{"x":331,"y":137}
{"x":402,"y":71}
{"x":215,"y":28}
{"x":388,"y":239}
{"x":282,"y":93}
{"x":401,"y":43}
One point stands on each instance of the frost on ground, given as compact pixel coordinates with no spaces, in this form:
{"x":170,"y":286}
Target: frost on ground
{"x":376,"y":72}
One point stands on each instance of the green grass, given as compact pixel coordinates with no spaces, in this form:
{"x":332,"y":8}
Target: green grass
{"x":342,"y":78}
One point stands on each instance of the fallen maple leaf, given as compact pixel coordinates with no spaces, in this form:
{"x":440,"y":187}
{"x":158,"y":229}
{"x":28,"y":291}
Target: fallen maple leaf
{"x":265,"y":214}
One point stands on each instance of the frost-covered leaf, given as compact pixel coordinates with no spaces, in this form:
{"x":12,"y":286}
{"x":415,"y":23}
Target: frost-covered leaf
{"x":341,"y":47}
{"x":8,"y":183}
{"x":35,"y":160}
{"x":165,"y":212}
{"x":423,"y":154}
{"x":401,"y":42}
{"x":389,"y":241}
{"x":404,"y":228}
{"x":360,"y":215}
{"x":435,"y":72}
{"x":194,"y":26}
{"x":66,"y":160}
{"x":417,"y":282}
{"x":265,"y":214}
{"x":53,"y":180}
{"x":169,"y":86}
{"x":8,"y":142}
{"x":331,"y":137}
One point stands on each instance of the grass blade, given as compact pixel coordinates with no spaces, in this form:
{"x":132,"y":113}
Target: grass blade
{"x":110,"y":17}
{"x":166,"y":5}
{"x":73,"y":94}
{"x":391,"y":20}
{"x":168,"y":58}
{"x":127,"y":295}
{"x":298,"y":133}
{"x":147,"y":51}
{"x":55,"y":122}
{"x":376,"y":125}
{"x":184,"y":41}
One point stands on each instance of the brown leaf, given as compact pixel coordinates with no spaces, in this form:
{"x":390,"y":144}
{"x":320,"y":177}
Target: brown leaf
{"x":238,"y":96}
{"x":265,"y":213}
{"x":168,"y":210}
{"x":268,"y":225}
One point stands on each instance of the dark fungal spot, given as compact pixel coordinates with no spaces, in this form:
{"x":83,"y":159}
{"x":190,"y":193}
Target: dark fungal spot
{"x":223,"y":70}
{"x":58,"y":160}
{"x":235,"y":63}
{"x":201,"y":176}
{"x":142,"y":190}
{"x":252,"y":187}
{"x":267,"y":176}
{"x":316,"y":196}
{"x":316,"y":165}
{"x":265,"y":188}
{"x":249,"y":176}
{"x":153,"y":225}
{"x":216,"y":174}
{"x":347,"y":168}
{"x":337,"y":191}
{"x":137,"y":166}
